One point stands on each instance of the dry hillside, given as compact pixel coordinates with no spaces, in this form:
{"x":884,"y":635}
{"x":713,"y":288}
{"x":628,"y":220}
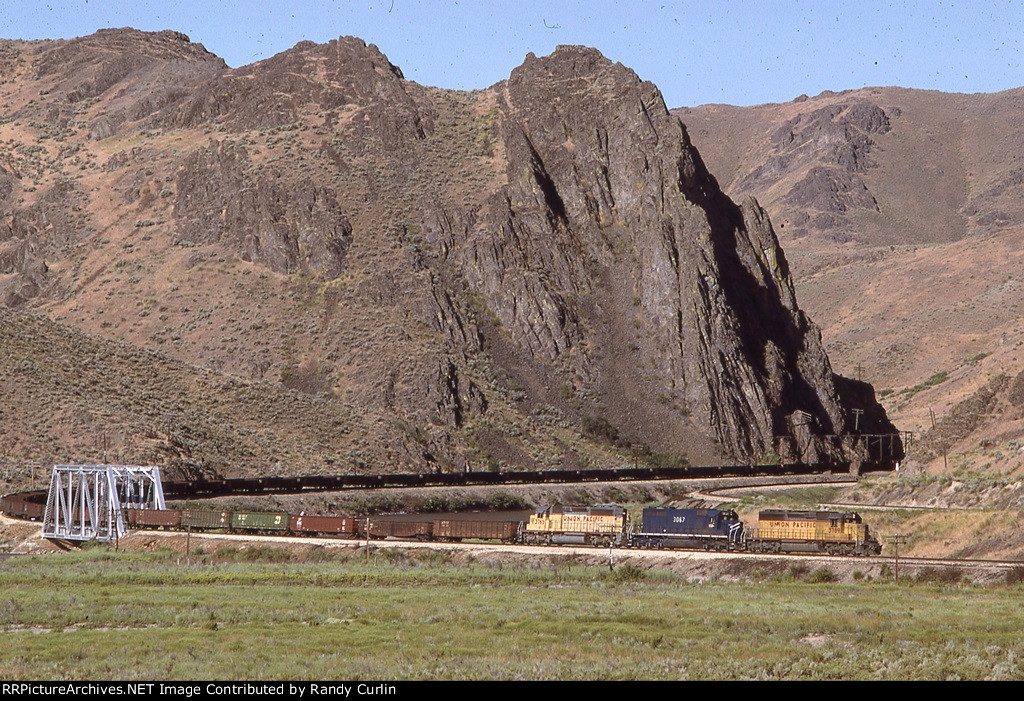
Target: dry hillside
{"x":541,"y":273}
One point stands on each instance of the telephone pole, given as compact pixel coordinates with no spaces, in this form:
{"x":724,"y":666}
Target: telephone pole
{"x":895,"y":541}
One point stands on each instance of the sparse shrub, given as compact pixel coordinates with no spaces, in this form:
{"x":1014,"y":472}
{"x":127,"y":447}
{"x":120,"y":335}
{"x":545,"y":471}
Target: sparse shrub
{"x":449,"y":502}
{"x":9,"y":611}
{"x":317,"y":555}
{"x":798,"y":570}
{"x":627,"y":573}
{"x":822,"y":575}
{"x":392,"y":555}
{"x":309,"y":377}
{"x":1014,"y":575}
{"x":669,"y":460}
{"x":434,"y":557}
{"x":254,"y":553}
{"x":599,"y":427}
{"x":504,"y":501}
{"x":378,"y":504}
{"x":939,"y":575}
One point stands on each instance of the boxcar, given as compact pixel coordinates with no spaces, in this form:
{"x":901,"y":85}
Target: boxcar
{"x":153,"y":518}
{"x":459,"y":529}
{"x":259,"y":521}
{"x":831,"y":532}
{"x":710,"y":529}
{"x":581,"y":525}
{"x":333,"y":525}
{"x":205,"y":520}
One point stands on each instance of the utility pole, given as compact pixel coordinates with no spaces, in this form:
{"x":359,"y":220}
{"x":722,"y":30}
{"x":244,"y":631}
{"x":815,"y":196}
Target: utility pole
{"x":894,"y":541}
{"x":856,"y":419}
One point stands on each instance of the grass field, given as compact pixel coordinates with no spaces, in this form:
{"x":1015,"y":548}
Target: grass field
{"x":257,"y":614}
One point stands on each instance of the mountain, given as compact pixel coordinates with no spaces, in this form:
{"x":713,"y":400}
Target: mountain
{"x":901,"y":213}
{"x":543,"y":273}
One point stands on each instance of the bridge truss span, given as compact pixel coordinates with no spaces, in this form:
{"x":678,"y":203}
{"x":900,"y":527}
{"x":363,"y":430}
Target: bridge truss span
{"x":87,"y":502}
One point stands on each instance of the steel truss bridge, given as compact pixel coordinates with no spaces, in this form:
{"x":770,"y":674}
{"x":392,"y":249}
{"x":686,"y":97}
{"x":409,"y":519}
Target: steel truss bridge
{"x":87,"y":502}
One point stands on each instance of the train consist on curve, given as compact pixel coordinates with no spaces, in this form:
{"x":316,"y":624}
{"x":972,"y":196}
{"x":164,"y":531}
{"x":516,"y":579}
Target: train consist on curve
{"x":778,"y":531}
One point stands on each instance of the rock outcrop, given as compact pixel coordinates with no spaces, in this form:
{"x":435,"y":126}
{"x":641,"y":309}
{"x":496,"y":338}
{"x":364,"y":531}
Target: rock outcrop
{"x":288,"y":227}
{"x":830,"y":148}
{"x":607,"y":199}
{"x":543,"y":273}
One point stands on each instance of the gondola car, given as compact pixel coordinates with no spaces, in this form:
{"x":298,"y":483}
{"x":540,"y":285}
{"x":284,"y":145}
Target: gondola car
{"x":465,"y":529}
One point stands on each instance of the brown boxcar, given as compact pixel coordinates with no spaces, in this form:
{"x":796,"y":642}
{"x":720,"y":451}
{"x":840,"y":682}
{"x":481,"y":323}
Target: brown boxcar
{"x":457,"y":529}
{"x":421,"y":530}
{"x":334,"y":525}
{"x":154,"y":518}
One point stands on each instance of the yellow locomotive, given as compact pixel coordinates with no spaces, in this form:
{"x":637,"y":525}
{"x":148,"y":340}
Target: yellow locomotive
{"x":602,"y":525}
{"x":832,"y":532}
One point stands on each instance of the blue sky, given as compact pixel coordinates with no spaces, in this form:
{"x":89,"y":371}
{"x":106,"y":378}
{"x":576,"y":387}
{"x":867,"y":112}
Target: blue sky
{"x":739,"y":52}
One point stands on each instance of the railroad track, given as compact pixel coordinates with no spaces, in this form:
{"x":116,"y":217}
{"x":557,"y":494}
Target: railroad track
{"x":903,"y":507}
{"x":715,"y":494}
{"x":615,"y":554}
{"x":949,"y":562}
{"x":724,"y":494}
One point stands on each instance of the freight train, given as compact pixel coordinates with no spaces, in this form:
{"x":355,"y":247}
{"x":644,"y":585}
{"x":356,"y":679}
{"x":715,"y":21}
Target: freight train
{"x":778,"y":531}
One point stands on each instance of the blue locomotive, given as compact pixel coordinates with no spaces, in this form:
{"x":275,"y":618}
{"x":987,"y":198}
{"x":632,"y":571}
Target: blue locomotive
{"x":707,"y":529}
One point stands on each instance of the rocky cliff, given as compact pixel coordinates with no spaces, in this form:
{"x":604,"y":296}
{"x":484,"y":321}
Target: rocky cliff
{"x":900,"y":211}
{"x":542,"y":273}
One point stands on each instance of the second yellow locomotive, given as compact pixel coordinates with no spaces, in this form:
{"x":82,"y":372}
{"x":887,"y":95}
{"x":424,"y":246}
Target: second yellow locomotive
{"x":832,"y":532}
{"x":602,"y":525}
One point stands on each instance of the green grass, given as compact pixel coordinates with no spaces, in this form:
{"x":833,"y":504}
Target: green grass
{"x":936,"y":379}
{"x":101,"y":615}
{"x":798,"y":498}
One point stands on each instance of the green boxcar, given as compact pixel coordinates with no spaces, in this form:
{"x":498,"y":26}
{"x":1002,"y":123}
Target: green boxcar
{"x":201,"y":519}
{"x":259,"y":521}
